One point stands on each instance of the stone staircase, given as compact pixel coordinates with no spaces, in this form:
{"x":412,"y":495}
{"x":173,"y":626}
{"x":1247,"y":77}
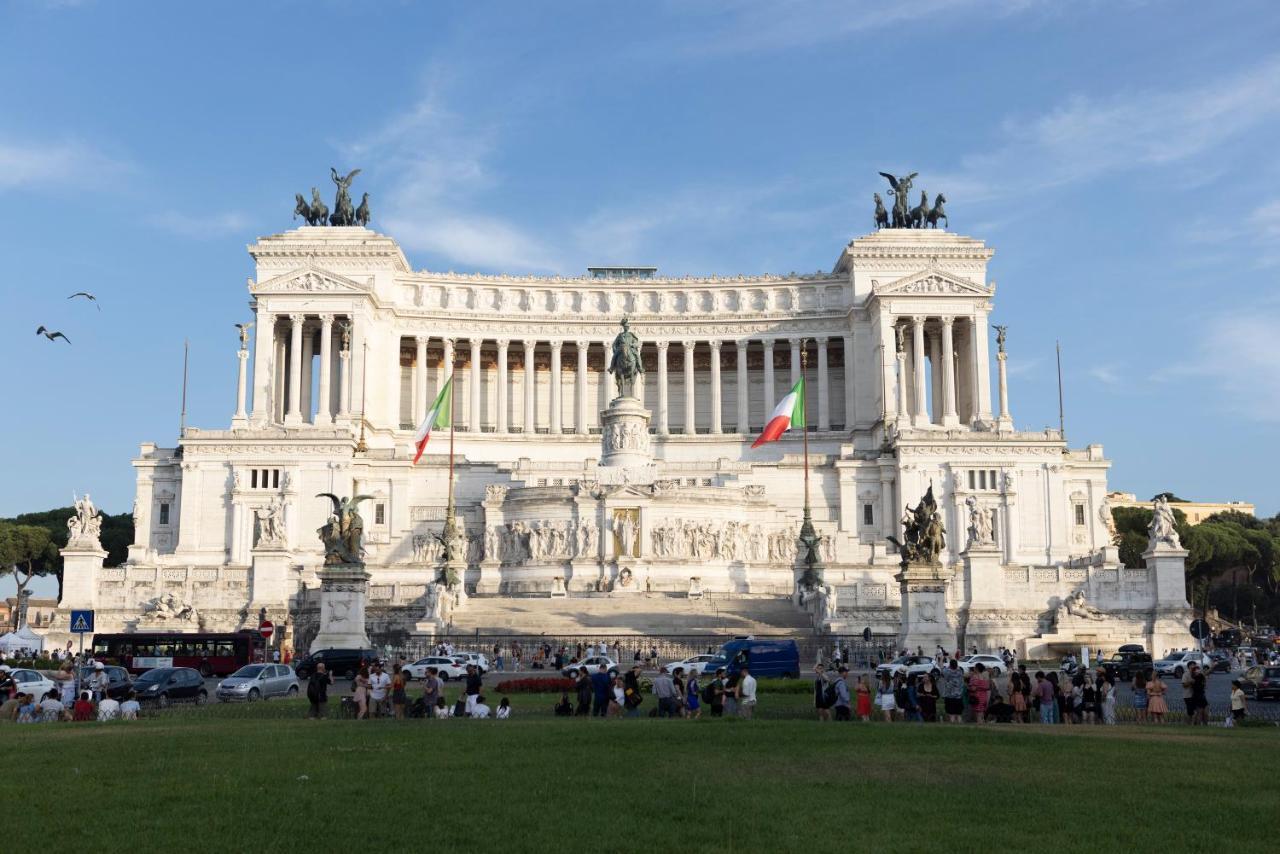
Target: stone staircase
{"x":643,"y":614}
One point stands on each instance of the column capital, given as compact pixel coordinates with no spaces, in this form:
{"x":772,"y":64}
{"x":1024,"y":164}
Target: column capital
{"x":768,"y":344}
{"x":583,"y":345}
{"x":688,"y":345}
{"x":243,"y":354}
{"x":821,"y":339}
{"x":529,"y":344}
{"x":503,"y":343}
{"x":556,"y":346}
{"x":475,"y":343}
{"x":918,"y":318}
{"x":449,"y":342}
{"x":715,"y":344}
{"x":326,"y":319}
{"x":422,"y":339}
{"x":795,"y":342}
{"x":947,"y":319}
{"x":297,"y":319}
{"x":662,"y":345}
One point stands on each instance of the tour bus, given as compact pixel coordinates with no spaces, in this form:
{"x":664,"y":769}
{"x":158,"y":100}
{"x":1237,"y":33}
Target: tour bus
{"x":763,"y":657}
{"x":212,"y":654}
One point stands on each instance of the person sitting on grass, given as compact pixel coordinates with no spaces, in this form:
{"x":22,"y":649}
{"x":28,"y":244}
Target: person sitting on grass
{"x":564,"y":708}
{"x":442,"y":710}
{"x":504,"y":709}
{"x":108,"y":709}
{"x":83,"y":709}
{"x":27,"y":713}
{"x":9,"y":708}
{"x":478,"y":709}
{"x":130,"y":707}
{"x":51,"y":708}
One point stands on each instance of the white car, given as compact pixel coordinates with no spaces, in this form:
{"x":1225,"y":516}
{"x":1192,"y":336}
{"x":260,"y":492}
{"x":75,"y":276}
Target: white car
{"x":592,"y":663}
{"x":447,"y":668}
{"x":32,"y":682}
{"x":693,"y":664}
{"x":476,"y":658}
{"x":1175,"y":664}
{"x":909,"y":665}
{"x":994,"y":664}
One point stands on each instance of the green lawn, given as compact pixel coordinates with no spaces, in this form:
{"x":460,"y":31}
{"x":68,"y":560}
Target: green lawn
{"x":260,"y":777}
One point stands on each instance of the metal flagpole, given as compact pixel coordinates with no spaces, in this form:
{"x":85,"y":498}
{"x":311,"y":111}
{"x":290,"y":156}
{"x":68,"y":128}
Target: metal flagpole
{"x":808,"y":535}
{"x":1062,"y":426}
{"x":182,"y":421}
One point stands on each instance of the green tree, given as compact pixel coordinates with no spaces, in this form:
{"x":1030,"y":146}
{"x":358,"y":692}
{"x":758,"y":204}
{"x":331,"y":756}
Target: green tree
{"x":25,"y":552}
{"x":116,"y":536}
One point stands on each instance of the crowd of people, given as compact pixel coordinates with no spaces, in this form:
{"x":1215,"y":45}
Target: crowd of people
{"x":676,"y":694}
{"x":378,"y":694}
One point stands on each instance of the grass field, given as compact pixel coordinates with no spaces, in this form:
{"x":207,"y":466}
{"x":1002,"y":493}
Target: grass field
{"x":260,"y":777}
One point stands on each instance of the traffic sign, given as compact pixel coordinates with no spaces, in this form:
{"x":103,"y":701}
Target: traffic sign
{"x":266,"y":629}
{"x":1199,"y":629}
{"x":82,"y":622}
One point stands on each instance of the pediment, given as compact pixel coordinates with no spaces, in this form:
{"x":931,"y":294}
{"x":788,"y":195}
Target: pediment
{"x":933,"y":283}
{"x":308,"y":279}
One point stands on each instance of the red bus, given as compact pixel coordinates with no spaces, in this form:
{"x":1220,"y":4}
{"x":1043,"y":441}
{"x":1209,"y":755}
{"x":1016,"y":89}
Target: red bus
{"x":213,"y":654}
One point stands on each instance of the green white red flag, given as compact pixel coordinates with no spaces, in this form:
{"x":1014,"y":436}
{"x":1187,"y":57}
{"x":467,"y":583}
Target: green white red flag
{"x":787,"y":414}
{"x":437,"y":416}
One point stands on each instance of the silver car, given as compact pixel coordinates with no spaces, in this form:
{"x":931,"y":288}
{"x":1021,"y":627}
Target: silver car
{"x":258,"y":682}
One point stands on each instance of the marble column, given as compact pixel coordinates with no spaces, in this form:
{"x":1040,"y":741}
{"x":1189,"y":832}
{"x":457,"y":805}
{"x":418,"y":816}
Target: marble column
{"x":446,"y":366}
{"x":294,"y":413}
{"x":982,"y":367}
{"x":324,"y":413}
{"x":1005,"y":421}
{"x":795,"y":361}
{"x":850,"y":388}
{"x":917,"y":358}
{"x":743,"y":423}
{"x":393,"y":386}
{"x":420,"y":381}
{"x":690,"y":398}
{"x":717,"y":416}
{"x":555,"y":385}
{"x":610,"y":382}
{"x":308,"y":361}
{"x":580,"y":390}
{"x":280,"y":379}
{"x":664,"y":428}
{"x":344,"y":384}
{"x":242,"y":379}
{"x":949,"y":417}
{"x":935,"y":377}
{"x":824,"y":386}
{"x":530,"y":399}
{"x":474,"y":389}
{"x":903,"y":379}
{"x":769,"y":390}
{"x":503,"y":352}
{"x":264,"y":335}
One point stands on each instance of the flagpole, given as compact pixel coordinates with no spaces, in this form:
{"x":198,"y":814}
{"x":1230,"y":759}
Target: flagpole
{"x":812,"y":577}
{"x":450,"y":523}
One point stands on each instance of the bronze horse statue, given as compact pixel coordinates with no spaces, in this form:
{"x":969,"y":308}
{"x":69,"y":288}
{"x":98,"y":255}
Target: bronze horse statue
{"x":362,"y":212}
{"x":319,"y":210}
{"x":302,"y":209}
{"x":938,"y":213}
{"x":882,"y":215}
{"x":920,"y":213}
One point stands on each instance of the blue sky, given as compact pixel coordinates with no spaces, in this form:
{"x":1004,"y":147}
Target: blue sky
{"x":1119,"y":156}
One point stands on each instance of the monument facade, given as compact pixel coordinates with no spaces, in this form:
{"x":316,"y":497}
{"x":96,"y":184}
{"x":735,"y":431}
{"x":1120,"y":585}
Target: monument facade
{"x":602,"y":444}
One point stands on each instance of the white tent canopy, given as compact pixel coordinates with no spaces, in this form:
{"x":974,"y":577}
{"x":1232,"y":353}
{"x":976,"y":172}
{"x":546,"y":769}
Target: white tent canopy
{"x":23,"y":638}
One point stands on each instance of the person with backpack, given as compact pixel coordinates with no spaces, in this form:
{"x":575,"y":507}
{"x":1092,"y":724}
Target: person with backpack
{"x":713,"y":694}
{"x":318,"y":692}
{"x":631,"y":689}
{"x":821,"y":702}
{"x":840,"y":696}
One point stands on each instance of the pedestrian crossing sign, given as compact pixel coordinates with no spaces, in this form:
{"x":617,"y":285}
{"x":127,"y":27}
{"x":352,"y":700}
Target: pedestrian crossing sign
{"x":82,"y":622}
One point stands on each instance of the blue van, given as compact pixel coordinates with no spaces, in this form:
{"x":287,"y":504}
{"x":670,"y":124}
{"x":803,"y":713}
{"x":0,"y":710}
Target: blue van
{"x":763,"y":657}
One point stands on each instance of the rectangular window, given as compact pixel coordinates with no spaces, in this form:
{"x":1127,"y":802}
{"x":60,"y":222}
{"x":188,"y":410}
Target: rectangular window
{"x":253,"y":478}
{"x":982,"y":479}
{"x":1079,"y":514}
{"x":992,"y":473}
{"x":973,"y":479}
{"x":868,"y":515}
{"x":164,"y":512}
{"x":275,"y":478}
{"x":379,"y":514}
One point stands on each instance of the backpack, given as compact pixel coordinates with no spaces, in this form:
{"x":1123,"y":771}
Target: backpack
{"x":460,"y":709}
{"x":829,"y":695}
{"x":709,"y":693}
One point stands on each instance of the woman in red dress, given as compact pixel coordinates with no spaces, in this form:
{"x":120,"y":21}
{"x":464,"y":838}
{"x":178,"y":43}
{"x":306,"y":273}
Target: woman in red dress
{"x":864,"y":699}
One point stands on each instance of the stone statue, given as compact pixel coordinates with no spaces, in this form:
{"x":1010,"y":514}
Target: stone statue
{"x":1000,"y":333}
{"x":882,"y":215}
{"x":243,"y":329}
{"x":900,"y":338}
{"x":937,"y":213}
{"x":1077,"y":606}
{"x":362,"y":212}
{"x":166,"y":608}
{"x":85,"y":526}
{"x":901,"y":187}
{"x":981,"y":523}
{"x":919,"y":215}
{"x":343,"y":212}
{"x":343,"y":533}
{"x":625,"y":365}
{"x":830,"y":603}
{"x":346,"y":336}
{"x":626,"y":526}
{"x":972,"y":503}
{"x":1163,"y":524}
{"x":1109,"y":522}
{"x":987,"y":525}
{"x":271,"y":524}
{"x":924,"y":536}
{"x":319,"y":211}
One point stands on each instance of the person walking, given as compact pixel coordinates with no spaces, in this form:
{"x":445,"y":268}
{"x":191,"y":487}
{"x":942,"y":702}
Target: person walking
{"x":844,"y":703}
{"x":1140,"y":697}
{"x":884,"y":697}
{"x":1109,"y":703}
{"x":318,"y":692}
{"x":1044,"y":697}
{"x":692,"y":697}
{"x":617,"y":696}
{"x":475,"y":683}
{"x":979,"y":692}
{"x":631,"y":687}
{"x":716,"y":697}
{"x":1238,"y":707}
{"x":379,"y":690}
{"x":1199,"y":695}
{"x":863,"y":709}
{"x":820,"y":704}
{"x":927,"y":699}
{"x":664,"y":689}
{"x":432,"y":690}
{"x":585,"y":689}
{"x":1157,"y":706}
{"x":361,"y":692}
{"x":1188,"y":692}
{"x":951,"y":687}
{"x":400,"y":693}
{"x":746,"y":693}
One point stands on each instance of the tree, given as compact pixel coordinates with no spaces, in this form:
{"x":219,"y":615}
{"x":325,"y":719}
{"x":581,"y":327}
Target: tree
{"x":26,"y":551}
{"x":117,"y":535}
{"x":1170,"y":497}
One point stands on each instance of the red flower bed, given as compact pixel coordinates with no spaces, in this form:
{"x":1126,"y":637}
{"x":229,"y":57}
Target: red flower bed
{"x":544,"y":685}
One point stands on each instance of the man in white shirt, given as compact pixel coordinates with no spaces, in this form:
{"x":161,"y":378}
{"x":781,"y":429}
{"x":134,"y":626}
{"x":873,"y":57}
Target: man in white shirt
{"x":129,"y":708}
{"x":50,"y":708}
{"x":108,"y":709}
{"x":746,"y":693}
{"x":379,"y":684}
{"x":99,"y":682}
{"x":480,"y":710}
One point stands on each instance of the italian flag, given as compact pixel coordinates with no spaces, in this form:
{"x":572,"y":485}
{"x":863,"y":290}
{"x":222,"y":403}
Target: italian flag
{"x":437,"y":416}
{"x":787,"y":414}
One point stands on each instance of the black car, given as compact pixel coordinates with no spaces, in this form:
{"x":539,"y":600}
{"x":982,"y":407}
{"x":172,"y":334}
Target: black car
{"x":1222,"y":661}
{"x":1261,"y":681}
{"x":1126,"y":664}
{"x":166,"y":685}
{"x":119,"y":682}
{"x":342,"y":663}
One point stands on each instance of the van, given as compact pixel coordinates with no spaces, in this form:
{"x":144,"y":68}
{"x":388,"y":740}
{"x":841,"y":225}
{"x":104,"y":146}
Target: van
{"x":763,"y":657}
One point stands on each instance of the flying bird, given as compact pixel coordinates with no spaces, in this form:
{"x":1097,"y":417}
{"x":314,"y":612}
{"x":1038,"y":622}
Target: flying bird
{"x":87,"y":296}
{"x":52,"y":335}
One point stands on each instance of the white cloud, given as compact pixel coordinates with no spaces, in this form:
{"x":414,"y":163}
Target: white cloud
{"x":1021,"y":367}
{"x":28,"y":163}
{"x":199,"y":225}
{"x":1236,"y":354}
{"x":1105,"y":374}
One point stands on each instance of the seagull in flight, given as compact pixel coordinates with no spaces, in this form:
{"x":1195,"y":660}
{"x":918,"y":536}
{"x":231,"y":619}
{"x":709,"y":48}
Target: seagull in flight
{"x":52,"y":335}
{"x":87,"y":296}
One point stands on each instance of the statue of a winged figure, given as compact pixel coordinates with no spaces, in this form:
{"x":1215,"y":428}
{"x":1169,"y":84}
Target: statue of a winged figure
{"x":901,"y":187}
{"x":343,"y":212}
{"x":343,"y":531}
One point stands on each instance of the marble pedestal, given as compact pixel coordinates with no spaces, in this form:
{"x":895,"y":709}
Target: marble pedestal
{"x":626,"y":455}
{"x":81,"y":567}
{"x":924,"y":620}
{"x":1168,"y":565}
{"x":269,"y":585}
{"x":982,"y":580}
{"x":344,"y":591}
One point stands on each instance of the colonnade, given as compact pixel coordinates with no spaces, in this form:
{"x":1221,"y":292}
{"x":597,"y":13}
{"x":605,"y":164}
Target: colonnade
{"x":942,"y":370}
{"x":292,"y":347}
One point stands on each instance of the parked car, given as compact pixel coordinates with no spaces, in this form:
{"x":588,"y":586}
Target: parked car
{"x":447,"y":668}
{"x":1228,"y":638}
{"x":476,"y":658}
{"x":1126,"y":664}
{"x":1261,"y":681}
{"x":1175,"y":664}
{"x":31,"y":682}
{"x":342,"y":663}
{"x":258,"y":682}
{"x":693,"y":664}
{"x":164,"y":685}
{"x":993,"y":663}
{"x":764,"y":657}
{"x":909,"y":665}
{"x":592,"y":663}
{"x":1222,"y":660}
